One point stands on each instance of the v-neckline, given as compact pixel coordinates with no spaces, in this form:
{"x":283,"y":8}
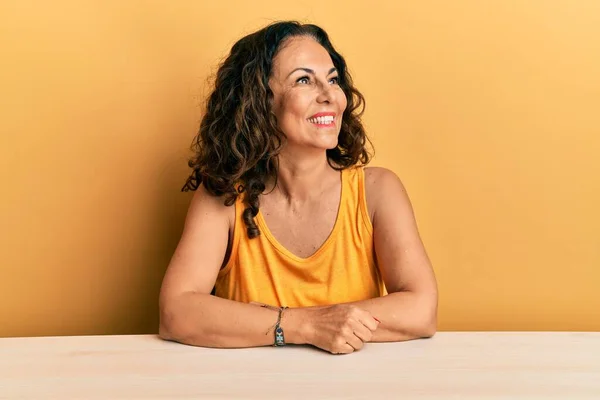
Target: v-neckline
{"x":264,"y":229}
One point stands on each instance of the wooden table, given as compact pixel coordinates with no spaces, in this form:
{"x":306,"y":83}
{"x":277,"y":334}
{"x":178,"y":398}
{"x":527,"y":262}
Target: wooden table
{"x":451,"y":365}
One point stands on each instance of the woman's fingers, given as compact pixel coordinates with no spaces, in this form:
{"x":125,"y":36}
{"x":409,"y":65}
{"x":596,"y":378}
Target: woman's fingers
{"x":355,"y":342}
{"x":344,"y":348}
{"x":367,"y":320}
{"x":361,"y":331}
{"x":342,"y":328}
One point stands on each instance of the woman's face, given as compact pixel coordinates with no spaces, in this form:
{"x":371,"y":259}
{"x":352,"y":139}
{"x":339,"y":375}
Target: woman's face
{"x":307,"y":100}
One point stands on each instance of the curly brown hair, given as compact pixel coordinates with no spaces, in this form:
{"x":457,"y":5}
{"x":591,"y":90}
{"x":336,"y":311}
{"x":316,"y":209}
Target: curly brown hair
{"x":238,"y":142}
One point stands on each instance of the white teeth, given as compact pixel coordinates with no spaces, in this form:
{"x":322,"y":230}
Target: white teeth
{"x":322,"y":120}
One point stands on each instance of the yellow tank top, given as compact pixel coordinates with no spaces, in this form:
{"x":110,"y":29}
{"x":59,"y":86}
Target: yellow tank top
{"x":342,"y":270}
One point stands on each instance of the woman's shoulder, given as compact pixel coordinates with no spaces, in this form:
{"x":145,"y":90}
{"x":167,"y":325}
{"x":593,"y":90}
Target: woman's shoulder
{"x":205,"y":204}
{"x":382,"y":184}
{"x":376,"y":177}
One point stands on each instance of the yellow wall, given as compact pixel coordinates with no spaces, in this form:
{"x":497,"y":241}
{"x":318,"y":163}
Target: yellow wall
{"x":488,"y":110}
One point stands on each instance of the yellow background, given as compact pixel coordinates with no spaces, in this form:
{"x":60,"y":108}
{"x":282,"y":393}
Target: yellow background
{"x":487,"y":110}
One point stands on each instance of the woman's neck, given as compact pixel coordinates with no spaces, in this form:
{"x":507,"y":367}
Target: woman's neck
{"x":303,"y":180}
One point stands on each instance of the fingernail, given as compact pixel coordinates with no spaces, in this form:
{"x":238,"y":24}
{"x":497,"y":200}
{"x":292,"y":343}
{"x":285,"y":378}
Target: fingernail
{"x":376,"y":320}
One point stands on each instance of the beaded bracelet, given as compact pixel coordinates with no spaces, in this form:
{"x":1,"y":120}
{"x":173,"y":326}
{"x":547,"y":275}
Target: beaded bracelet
{"x":279,"y":338}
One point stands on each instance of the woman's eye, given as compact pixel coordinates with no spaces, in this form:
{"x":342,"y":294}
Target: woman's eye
{"x":335,"y":80}
{"x":304,"y":79}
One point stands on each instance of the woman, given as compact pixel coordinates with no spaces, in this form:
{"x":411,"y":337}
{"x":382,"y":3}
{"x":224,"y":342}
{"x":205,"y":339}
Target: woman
{"x":286,"y":215}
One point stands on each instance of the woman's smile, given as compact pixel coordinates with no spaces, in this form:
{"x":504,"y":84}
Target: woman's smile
{"x":323,"y":120}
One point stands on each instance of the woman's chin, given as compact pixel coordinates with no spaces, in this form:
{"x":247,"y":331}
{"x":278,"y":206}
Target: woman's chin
{"x":327,"y":145}
{"x":328,"y":142}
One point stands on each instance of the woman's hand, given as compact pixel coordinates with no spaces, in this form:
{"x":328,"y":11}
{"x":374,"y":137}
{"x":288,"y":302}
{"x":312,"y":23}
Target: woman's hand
{"x":339,"y":329}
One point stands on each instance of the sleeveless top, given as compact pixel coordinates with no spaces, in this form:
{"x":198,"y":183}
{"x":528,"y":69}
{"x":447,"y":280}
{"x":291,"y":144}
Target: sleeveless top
{"x":343,"y":269}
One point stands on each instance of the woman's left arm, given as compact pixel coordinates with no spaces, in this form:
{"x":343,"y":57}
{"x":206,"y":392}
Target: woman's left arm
{"x":409,"y":311}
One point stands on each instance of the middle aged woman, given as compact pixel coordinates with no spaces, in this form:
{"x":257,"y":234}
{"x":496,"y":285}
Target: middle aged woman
{"x":286,"y":214}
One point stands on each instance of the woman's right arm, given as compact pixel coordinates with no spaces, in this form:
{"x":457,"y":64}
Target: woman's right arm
{"x":189,"y":314}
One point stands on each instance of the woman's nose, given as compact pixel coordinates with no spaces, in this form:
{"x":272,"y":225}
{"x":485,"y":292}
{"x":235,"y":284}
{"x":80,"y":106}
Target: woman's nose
{"x":325,"y":94}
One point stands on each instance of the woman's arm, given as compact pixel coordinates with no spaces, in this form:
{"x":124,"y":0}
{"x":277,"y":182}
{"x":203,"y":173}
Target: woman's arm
{"x":409,"y":311}
{"x":188,"y":313}
{"x":200,"y":319}
{"x":404,"y":315}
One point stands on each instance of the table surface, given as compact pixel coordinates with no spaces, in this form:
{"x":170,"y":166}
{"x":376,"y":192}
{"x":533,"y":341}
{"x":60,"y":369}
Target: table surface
{"x":451,"y":365}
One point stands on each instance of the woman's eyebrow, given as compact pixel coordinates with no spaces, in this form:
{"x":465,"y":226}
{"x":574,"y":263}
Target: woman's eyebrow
{"x":310,"y":71}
